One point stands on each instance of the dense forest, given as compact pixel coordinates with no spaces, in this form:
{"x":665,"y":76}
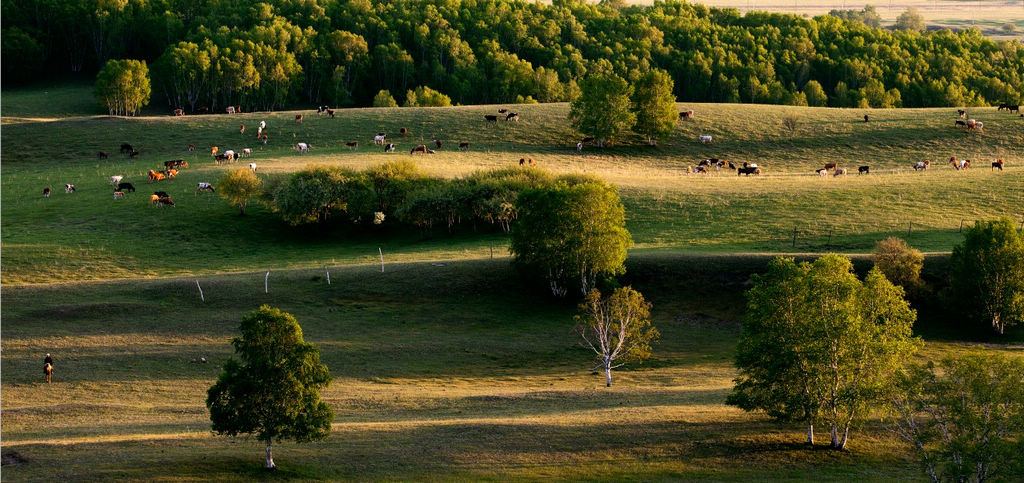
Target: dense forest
{"x":275,"y":53}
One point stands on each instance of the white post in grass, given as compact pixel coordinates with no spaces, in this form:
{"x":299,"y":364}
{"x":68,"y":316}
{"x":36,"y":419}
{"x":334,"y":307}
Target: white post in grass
{"x":201,"y":297}
{"x":381,"y":259}
{"x":266,"y":281}
{"x":328,"y":272}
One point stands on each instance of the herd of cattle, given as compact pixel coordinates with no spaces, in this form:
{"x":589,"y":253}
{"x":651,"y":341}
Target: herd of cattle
{"x":171,"y":168}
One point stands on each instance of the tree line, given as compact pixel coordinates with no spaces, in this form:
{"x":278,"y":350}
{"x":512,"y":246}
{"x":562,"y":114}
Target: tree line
{"x":277,"y":53}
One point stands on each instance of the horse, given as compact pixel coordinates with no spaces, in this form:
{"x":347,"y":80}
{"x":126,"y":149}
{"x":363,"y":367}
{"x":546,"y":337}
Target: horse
{"x":48,"y":372}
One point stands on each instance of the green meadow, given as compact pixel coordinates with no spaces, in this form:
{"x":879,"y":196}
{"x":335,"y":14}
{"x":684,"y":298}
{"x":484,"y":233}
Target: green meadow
{"x":449,"y":365}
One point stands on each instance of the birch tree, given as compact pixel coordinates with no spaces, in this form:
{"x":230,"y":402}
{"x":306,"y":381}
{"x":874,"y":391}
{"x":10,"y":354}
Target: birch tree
{"x":618,"y":328}
{"x":654,"y":105}
{"x":273,"y":390}
{"x":988,"y":273}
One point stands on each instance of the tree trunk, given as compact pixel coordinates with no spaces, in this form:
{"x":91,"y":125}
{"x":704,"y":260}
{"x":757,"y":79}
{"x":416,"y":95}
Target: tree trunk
{"x":810,"y":434}
{"x":270,"y":457}
{"x":835,"y":437}
{"x":846,"y":436}
{"x":607,"y":375}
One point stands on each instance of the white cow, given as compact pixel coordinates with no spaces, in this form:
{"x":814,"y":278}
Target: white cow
{"x":705,"y":139}
{"x":378,"y":139}
{"x":114,"y":180}
{"x":302,"y":147}
{"x":231,"y":155}
{"x":263,"y":125}
{"x":230,"y":110}
{"x":252,"y":167}
{"x":246,"y":152}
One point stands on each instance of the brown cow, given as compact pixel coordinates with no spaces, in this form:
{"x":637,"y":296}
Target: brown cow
{"x":179,"y":112}
{"x":298,"y":118}
{"x":353,"y":144}
{"x":419,"y":149}
{"x":829,"y":166}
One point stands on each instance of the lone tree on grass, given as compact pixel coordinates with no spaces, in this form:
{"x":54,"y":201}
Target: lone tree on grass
{"x":571,"y":234}
{"x":988,"y":273}
{"x":239,"y":186}
{"x":818,"y":345}
{"x":900,"y":263}
{"x":655,"y":105}
{"x":123,"y":87}
{"x":618,"y":328}
{"x":602,"y":108}
{"x":273,"y":392}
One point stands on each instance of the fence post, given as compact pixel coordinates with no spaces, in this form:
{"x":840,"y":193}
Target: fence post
{"x":328,"y":274}
{"x":909,"y":227}
{"x":201,"y":297}
{"x":794,"y":237}
{"x":829,"y":238}
{"x":381,"y":252}
{"x":961,"y":226}
{"x":266,"y":282}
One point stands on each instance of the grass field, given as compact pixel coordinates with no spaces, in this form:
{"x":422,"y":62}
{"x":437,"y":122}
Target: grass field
{"x":448,"y":365}
{"x":89,"y":235}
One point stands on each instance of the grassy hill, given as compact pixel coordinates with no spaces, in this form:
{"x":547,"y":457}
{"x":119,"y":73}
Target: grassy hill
{"x":89,"y":235}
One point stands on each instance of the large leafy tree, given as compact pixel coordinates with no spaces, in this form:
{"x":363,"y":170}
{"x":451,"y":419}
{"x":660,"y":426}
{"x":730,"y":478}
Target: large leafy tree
{"x":602,"y":109}
{"x":312,"y":194}
{"x":988,"y":273}
{"x":273,"y":390}
{"x":654,"y":105}
{"x":617,"y":328}
{"x":571,"y":233}
{"x":122,"y":86}
{"x":239,"y":186}
{"x":818,"y":345}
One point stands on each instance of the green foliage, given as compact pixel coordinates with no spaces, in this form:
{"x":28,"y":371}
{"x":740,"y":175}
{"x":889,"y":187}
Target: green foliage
{"x":900,"y":263}
{"x":868,"y":16}
{"x":965,"y":419}
{"x":313,"y":194}
{"x":384,"y":99}
{"x":602,"y":109}
{"x":426,"y":97}
{"x":910,"y":19}
{"x":654,"y":105}
{"x":818,"y":345}
{"x":122,"y":86}
{"x":988,"y":273}
{"x":15,"y":43}
{"x":391,"y":182}
{"x":273,"y":390}
{"x":239,"y":186}
{"x":617,"y":328}
{"x":815,"y":95}
{"x":571,"y":234}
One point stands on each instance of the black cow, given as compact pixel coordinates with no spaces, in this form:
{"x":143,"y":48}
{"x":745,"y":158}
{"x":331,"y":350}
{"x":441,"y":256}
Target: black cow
{"x":490,"y":118}
{"x":463,"y":146}
{"x":126,"y":148}
{"x":959,"y":123}
{"x":389,"y":148}
{"x":161,"y":194}
{"x":864,"y":170}
{"x":512,"y":116}
{"x":125,"y":187}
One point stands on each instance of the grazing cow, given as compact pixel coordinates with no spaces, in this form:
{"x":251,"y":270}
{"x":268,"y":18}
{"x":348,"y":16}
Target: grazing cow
{"x":922,"y":165}
{"x":971,"y":123}
{"x":165,"y":201}
{"x":979,"y":126}
{"x":118,"y":195}
{"x":204,"y":186}
{"x":125,"y":187}
{"x":864,"y":170}
{"x":502,"y":111}
{"x":171,"y":173}
{"x":246,"y":152}
{"x":430,"y":151}
{"x":829,"y":166}
{"x":389,"y":148}
{"x":102,"y":155}
{"x":531,"y":161}
{"x":264,"y":139}
{"x":154,"y":198}
{"x":219,"y":158}
{"x":959,"y":164}
{"x":179,"y":112}
{"x":705,"y":139}
{"x":1009,"y":107}
{"x":700,"y":169}
{"x":320,"y":110}
{"x":437,"y":142}
{"x":512,"y":116}
{"x":126,"y":148}
{"x":330,"y":113}
{"x":302,"y":147}
{"x":203,"y":110}
{"x":230,"y":155}
{"x":191,"y":147}
{"x":490,"y":118}
{"x":998,"y":163}
{"x":213,"y":150}
{"x":731,"y":166}
{"x":154,"y":176}
{"x":298,"y":118}
{"x":706,"y":162}
{"x":161,"y":194}
{"x":379,"y":139}
{"x":748,"y":170}
{"x":821,"y":172}
{"x":688,"y":114}
{"x":522,"y":161}
{"x":175,"y":163}
{"x":839,"y":172}
{"x":116,"y":179}
{"x":69,"y":188}
{"x":865,"y":118}
{"x":263,"y":125}
{"x":46,"y":190}
{"x":229,"y":109}
{"x":962,"y":113}
{"x":959,"y":123}
{"x":579,"y":146}
{"x":353,"y":144}
{"x":419,"y":149}
{"x":242,"y":130}
{"x":252,"y":167}
{"x":403,"y":131}
{"x":463,"y":146}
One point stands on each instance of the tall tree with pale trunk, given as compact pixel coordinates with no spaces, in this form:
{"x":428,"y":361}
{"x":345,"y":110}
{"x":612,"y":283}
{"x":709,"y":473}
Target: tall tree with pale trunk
{"x":617,"y":328}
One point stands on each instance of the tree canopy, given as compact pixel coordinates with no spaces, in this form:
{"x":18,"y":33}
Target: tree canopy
{"x":239,"y":186}
{"x":988,"y":273}
{"x":122,"y":86}
{"x":602,"y":110}
{"x":616,"y":328}
{"x":272,"y":391}
{"x":654,"y":105}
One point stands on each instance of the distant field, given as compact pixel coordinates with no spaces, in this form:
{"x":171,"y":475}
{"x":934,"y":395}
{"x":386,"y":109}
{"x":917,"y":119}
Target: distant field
{"x":88,"y":235}
{"x":987,"y":15}
{"x":454,"y":371}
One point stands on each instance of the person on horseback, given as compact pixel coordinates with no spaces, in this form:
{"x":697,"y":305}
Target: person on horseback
{"x":48,"y":360}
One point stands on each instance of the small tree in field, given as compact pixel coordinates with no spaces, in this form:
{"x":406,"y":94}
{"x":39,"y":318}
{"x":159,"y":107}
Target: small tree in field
{"x":900,"y":263}
{"x":910,"y":19}
{"x":964,"y":419}
{"x":273,"y":390}
{"x":618,"y":328}
{"x":791,"y":123}
{"x":988,"y":273}
{"x":602,"y":108}
{"x":655,"y":105}
{"x":123,"y":87}
{"x":384,"y":99}
{"x":239,"y":186}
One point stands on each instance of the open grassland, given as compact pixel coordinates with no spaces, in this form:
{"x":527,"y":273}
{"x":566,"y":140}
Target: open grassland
{"x":441,"y":371}
{"x":986,"y":15}
{"x":88,"y":235}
